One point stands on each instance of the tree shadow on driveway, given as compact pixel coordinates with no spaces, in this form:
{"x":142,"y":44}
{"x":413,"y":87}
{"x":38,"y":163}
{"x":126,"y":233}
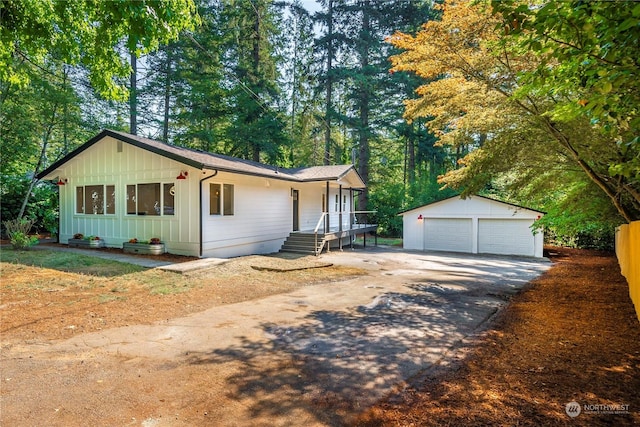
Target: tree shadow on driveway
{"x":336,"y":363}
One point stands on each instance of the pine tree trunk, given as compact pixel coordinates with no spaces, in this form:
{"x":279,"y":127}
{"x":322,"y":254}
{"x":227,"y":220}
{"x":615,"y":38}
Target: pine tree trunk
{"x":133,"y":97}
{"x":329,"y":95}
{"x":167,"y":96}
{"x":363,"y":131}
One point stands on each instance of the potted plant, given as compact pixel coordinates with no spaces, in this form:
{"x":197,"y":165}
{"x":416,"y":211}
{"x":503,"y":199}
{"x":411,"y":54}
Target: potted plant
{"x":153,"y":246}
{"x":79,"y":240}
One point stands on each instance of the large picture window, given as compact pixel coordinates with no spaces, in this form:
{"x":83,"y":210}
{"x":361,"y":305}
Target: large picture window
{"x":96,"y":199}
{"x":221,"y":199}
{"x":152,"y":199}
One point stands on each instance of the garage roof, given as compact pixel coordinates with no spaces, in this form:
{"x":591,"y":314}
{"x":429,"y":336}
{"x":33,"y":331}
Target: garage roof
{"x":460,"y":197}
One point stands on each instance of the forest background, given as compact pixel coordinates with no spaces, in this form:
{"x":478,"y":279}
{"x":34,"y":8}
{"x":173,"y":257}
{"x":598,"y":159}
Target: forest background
{"x":531,"y":103}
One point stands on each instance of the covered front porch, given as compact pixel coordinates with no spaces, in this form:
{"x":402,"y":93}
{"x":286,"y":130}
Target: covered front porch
{"x":314,"y":241}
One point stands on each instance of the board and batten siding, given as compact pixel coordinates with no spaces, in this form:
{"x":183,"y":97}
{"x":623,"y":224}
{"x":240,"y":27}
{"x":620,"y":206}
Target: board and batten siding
{"x":111,"y":162}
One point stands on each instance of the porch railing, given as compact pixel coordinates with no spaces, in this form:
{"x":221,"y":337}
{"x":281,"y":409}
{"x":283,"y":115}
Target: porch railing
{"x":357,"y":219}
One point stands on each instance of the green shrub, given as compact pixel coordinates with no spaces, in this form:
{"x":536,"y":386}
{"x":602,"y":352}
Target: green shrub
{"x":18,"y":233}
{"x":42,"y":204}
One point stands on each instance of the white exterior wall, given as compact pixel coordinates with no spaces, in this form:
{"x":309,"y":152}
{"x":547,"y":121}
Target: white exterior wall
{"x":263,"y":208}
{"x":310,"y":203}
{"x":102,"y":164}
{"x":474,"y":208}
{"x":263,"y":214}
{"x":311,"y":194}
{"x":262,"y":218}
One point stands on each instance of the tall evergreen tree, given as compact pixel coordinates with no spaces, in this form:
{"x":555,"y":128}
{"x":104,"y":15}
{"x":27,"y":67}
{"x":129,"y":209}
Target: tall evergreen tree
{"x":256,"y":126}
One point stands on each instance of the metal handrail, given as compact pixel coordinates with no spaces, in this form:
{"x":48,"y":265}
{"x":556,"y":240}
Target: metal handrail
{"x":362,"y":212}
{"x":320,"y":221}
{"x":315,"y":232}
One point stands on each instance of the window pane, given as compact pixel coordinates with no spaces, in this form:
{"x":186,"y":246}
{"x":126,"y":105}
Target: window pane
{"x":79,"y":200}
{"x":228,"y":199}
{"x":111,"y":199}
{"x":131,"y":200}
{"x":168,"y":208}
{"x":214,"y":199}
{"x":149,"y":199}
{"x":94,"y":198}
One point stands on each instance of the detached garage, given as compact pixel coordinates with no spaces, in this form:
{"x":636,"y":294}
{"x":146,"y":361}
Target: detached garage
{"x":475,"y":225}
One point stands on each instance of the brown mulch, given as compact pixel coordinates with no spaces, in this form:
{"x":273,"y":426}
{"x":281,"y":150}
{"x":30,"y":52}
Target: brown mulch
{"x":572,"y":335}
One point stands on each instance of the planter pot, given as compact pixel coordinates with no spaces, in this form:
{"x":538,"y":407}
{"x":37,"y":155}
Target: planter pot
{"x":84,"y":243}
{"x":143,"y":248}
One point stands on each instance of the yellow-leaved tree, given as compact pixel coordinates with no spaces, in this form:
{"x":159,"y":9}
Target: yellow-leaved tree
{"x":475,"y":95}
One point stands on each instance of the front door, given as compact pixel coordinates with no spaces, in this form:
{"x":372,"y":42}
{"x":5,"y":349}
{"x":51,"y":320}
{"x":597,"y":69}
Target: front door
{"x":296,"y":221}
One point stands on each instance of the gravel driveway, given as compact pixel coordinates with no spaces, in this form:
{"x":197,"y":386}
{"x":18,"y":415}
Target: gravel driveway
{"x":341,"y":345}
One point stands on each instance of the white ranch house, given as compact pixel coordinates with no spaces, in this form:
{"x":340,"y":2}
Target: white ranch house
{"x":119,"y":186}
{"x":474,"y":225}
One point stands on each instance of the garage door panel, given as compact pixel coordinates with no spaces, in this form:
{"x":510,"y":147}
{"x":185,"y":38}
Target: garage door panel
{"x":448,"y":234}
{"x":506,"y":237}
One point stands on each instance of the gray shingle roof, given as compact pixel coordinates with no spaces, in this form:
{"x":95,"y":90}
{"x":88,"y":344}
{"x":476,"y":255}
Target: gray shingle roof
{"x":205,"y":160}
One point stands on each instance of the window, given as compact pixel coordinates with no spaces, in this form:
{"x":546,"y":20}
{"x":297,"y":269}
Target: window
{"x":148,"y":199}
{"x":96,"y":199}
{"x":337,"y":207}
{"x":344,"y":203}
{"x":221,"y":199}
{"x":168,"y":207}
{"x":227,"y":196}
{"x":80,"y":200}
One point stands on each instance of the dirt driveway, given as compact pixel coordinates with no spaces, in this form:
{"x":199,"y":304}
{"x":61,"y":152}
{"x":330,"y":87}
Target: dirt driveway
{"x":314,"y":356}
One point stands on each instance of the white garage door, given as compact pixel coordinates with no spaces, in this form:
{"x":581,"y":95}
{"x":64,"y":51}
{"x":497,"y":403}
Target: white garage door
{"x":505,"y":236}
{"x":447,"y":234}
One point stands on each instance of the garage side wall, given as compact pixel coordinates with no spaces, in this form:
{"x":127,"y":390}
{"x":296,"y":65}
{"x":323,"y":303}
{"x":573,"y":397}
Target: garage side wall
{"x":628,"y":252}
{"x":412,"y":232}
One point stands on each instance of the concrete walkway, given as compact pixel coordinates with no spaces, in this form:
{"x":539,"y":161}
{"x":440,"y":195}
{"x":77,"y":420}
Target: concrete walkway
{"x":120,"y":257}
{"x":179,"y":267}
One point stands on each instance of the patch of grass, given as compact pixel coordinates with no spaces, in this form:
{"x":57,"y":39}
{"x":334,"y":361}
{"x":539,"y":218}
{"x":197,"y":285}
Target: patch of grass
{"x":388,"y":241}
{"x":104,"y":298}
{"x":69,"y":262}
{"x":166,"y":283}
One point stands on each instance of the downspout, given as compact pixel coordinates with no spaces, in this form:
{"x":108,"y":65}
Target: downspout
{"x":59,"y":215}
{"x":215,"y":172}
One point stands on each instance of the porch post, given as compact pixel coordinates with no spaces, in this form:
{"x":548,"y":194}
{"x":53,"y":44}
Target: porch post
{"x":351,"y":218}
{"x":340,"y":203}
{"x":351,"y":205}
{"x":326,"y":223}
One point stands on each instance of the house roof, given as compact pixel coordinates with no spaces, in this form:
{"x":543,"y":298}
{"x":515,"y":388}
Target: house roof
{"x":206,"y":160}
{"x":475,"y":195}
